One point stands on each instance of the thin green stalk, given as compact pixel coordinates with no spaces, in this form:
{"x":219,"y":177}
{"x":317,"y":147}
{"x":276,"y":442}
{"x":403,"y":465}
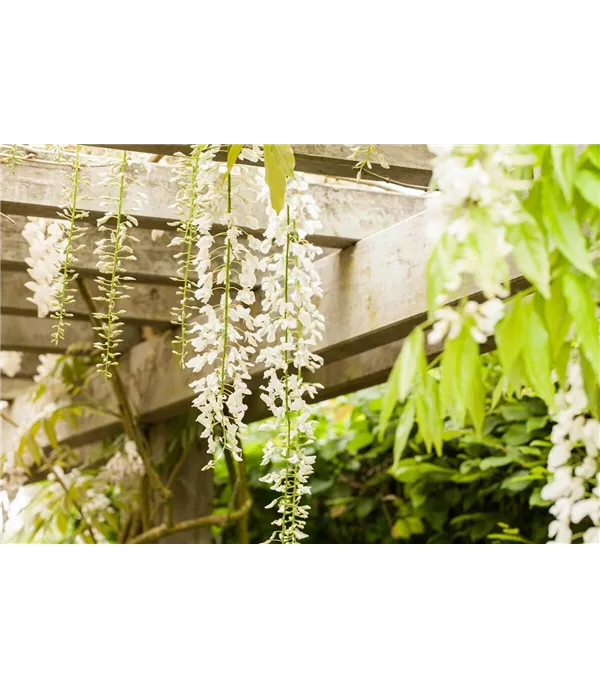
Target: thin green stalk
{"x":113,"y":277}
{"x":59,"y":329}
{"x":189,"y":238}
{"x":286,"y":386}
{"x":227,"y":278}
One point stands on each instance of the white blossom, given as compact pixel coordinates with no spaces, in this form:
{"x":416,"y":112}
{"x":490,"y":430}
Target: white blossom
{"x":10,"y":362}
{"x":223,"y":336}
{"x":468,"y":217}
{"x":291,"y":326}
{"x":573,"y":502}
{"x":47,"y":243}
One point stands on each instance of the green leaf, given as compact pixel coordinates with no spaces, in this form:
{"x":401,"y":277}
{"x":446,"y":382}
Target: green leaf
{"x":450,"y":396}
{"x":563,"y":158}
{"x":411,"y":470}
{"x":279,"y":165}
{"x":390,"y":399}
{"x":581,"y":304}
{"x":564,"y":229}
{"x":405,"y":424}
{"x":588,"y":185}
{"x":470,"y":381}
{"x":232,"y":154}
{"x":401,"y":530}
{"x":415,"y":525}
{"x":530,"y":250}
{"x":593,"y":154}
{"x":536,"y":355}
{"x":509,"y":335}
{"x":50,"y":433}
{"x":591,"y":384}
{"x":427,"y":400}
{"x":412,"y":357}
{"x":557,"y":318}
{"x":495,"y":462}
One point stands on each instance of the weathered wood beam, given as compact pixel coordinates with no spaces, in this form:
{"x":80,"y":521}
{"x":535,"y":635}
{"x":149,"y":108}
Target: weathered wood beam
{"x":348,"y":215}
{"x":154,"y":262}
{"x":21,"y":333}
{"x":147,"y":304}
{"x":29,"y":364}
{"x":375,"y":294}
{"x":11,"y":388}
{"x":409,"y":163}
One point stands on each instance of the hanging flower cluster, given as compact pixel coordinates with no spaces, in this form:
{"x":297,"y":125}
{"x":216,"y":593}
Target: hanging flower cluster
{"x":478,"y":201}
{"x":198,"y":177}
{"x":568,"y":487}
{"x":124,"y":468}
{"x":46,"y":255}
{"x":223,"y":335}
{"x":366,"y":155}
{"x":112,"y":251}
{"x":291,"y":326}
{"x":72,"y":233}
{"x":25,"y":412}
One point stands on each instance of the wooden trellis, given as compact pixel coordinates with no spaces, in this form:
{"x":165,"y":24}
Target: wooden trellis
{"x":372,"y":275}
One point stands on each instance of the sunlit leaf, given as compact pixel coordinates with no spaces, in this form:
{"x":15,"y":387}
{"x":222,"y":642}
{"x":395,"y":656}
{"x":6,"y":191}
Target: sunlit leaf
{"x":405,"y":424}
{"x":563,"y":158}
{"x":581,"y":304}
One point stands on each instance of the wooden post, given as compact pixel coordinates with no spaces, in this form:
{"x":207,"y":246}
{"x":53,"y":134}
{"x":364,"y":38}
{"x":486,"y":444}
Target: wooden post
{"x":192,"y":488}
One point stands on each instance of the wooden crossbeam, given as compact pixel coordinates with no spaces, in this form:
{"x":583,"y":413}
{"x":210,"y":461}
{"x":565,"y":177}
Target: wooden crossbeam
{"x":12,"y":388}
{"x":409,"y":163}
{"x":154,"y":262}
{"x":348,"y":215}
{"x":374,"y":296}
{"x":147,"y":304}
{"x":22,"y":333}
{"x":29,"y":364}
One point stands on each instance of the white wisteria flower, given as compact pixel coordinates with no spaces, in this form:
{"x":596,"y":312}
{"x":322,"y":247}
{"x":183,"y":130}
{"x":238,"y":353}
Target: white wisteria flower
{"x":468,"y":218}
{"x":223,"y":335}
{"x":10,"y":362}
{"x":290,"y":326}
{"x":570,"y":476}
{"x":47,"y":244}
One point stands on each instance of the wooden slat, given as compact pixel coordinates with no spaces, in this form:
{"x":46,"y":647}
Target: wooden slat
{"x":29,"y":364}
{"x":12,"y":388}
{"x":348,"y":215}
{"x":409,"y":163}
{"x":20,"y":333}
{"x":154,"y":262}
{"x":147,"y":304}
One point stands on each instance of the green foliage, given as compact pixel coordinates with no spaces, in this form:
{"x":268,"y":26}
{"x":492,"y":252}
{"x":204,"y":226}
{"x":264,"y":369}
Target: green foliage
{"x":279,"y":166}
{"x":482,"y":488}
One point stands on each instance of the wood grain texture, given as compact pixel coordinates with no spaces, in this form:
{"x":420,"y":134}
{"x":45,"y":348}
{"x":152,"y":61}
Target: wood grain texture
{"x":347,"y":214}
{"x":409,"y":163}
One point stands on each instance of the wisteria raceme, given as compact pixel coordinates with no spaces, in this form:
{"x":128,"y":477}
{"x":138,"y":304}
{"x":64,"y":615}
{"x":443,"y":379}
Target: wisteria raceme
{"x":573,"y":463}
{"x":25,"y":412}
{"x":112,"y":252}
{"x":290,"y":326}
{"x":478,"y":199}
{"x":366,"y":155}
{"x":72,"y":233}
{"x":198,"y":178}
{"x":47,"y":245}
{"x":224,"y":340}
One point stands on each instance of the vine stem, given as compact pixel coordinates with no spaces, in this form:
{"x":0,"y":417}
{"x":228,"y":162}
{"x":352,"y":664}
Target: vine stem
{"x":190,"y":235}
{"x":162,"y":531}
{"x":59,"y":331}
{"x":88,"y":527}
{"x":132,"y":429}
{"x":113,"y":278}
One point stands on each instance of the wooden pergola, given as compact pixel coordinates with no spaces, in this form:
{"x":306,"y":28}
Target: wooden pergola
{"x":372,"y":271}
